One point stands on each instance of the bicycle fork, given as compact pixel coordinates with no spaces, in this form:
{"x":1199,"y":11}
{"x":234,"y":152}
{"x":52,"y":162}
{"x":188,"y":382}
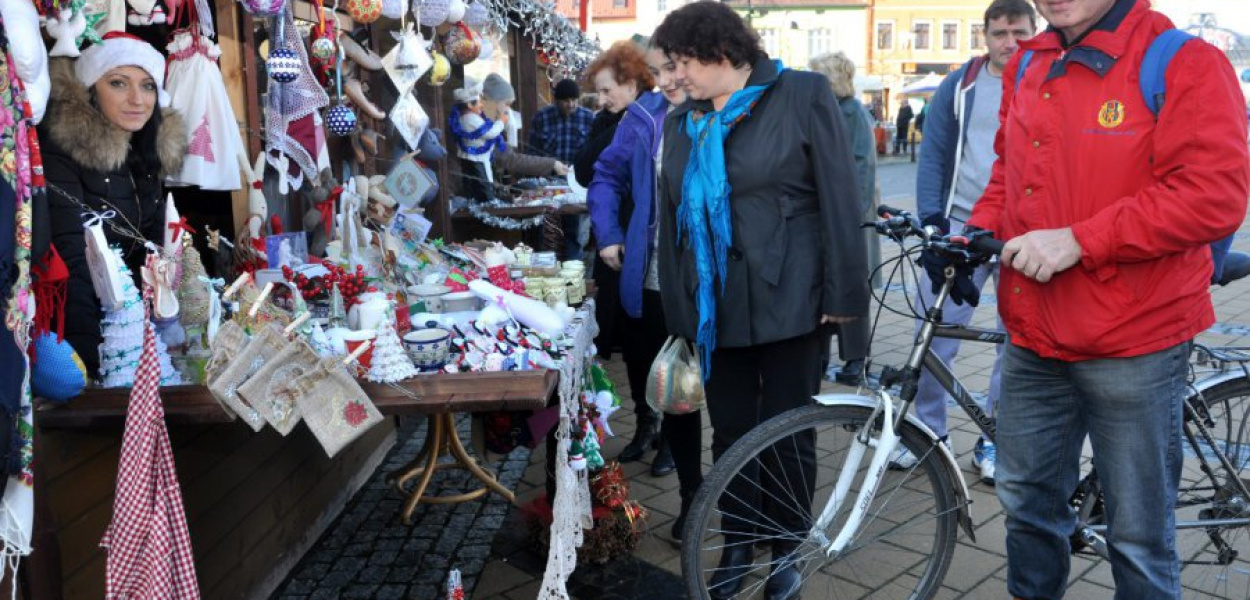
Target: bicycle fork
{"x":884,"y":445}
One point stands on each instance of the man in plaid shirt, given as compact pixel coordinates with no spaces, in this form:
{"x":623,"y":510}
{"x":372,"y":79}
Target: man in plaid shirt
{"x":560,"y":130}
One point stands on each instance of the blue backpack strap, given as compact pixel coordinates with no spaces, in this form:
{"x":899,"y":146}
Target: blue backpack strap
{"x":1154,"y":67}
{"x":1024,"y":64}
{"x":1153,"y":76}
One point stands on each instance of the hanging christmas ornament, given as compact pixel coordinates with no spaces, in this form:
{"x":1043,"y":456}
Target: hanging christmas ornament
{"x":364,"y":12}
{"x":441,"y":69}
{"x":283,"y":65}
{"x":462,"y":45}
{"x":433,"y":13}
{"x":323,"y":48}
{"x":264,"y":8}
{"x":455,"y":11}
{"x":393,"y":9}
{"x":340,"y":120}
{"x":476,"y":15}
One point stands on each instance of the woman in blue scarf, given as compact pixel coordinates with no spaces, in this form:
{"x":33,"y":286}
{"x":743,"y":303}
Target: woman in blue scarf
{"x":759,"y":247}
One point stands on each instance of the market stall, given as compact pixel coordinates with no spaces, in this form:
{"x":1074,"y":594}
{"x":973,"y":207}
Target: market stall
{"x":270,"y":342}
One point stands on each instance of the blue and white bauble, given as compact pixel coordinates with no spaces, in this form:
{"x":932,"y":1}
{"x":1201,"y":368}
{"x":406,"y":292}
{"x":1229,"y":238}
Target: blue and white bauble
{"x":340,"y":120}
{"x":283,"y":65}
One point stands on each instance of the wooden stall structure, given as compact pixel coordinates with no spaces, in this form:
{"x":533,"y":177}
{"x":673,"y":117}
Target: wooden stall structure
{"x":256,"y":502}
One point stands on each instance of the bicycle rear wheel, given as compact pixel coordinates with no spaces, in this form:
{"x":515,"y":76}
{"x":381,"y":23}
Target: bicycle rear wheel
{"x":1215,"y":558}
{"x":902,"y":548}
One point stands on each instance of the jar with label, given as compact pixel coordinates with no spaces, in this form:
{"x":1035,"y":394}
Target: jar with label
{"x":556,"y":295}
{"x":574,"y":284}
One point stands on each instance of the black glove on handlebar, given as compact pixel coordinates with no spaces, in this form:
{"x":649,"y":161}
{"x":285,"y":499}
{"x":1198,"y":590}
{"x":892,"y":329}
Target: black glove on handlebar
{"x":942,"y":223}
{"x":963,"y":290}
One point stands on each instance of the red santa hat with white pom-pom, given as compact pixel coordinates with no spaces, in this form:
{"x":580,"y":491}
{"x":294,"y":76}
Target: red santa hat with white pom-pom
{"x":119,"y":49}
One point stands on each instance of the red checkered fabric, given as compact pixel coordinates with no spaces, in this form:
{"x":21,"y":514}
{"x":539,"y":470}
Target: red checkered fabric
{"x":149,"y":549}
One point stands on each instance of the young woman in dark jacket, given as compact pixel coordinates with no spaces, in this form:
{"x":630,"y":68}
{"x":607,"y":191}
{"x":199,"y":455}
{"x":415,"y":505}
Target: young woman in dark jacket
{"x":620,"y":77}
{"x":759,"y":181}
{"x":107,"y":145}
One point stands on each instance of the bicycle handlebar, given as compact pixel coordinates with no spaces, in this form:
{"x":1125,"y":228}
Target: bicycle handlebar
{"x":898,"y":224}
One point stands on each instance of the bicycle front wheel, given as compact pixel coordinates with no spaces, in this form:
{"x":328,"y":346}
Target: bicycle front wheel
{"x":764,"y":490}
{"x":1213,"y":537}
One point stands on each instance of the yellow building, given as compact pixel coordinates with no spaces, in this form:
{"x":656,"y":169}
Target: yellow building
{"x":796,"y":30}
{"x":912,"y":38}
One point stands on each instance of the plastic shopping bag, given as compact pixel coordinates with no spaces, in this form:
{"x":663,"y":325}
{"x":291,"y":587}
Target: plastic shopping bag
{"x":675,"y":383}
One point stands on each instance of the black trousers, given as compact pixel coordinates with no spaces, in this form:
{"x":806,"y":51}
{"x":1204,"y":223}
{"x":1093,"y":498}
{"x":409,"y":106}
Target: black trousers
{"x":474,"y":180}
{"x":747,"y":387}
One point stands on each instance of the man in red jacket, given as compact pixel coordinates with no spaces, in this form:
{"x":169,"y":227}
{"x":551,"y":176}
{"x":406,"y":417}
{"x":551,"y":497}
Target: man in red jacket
{"x":1108,"y":211}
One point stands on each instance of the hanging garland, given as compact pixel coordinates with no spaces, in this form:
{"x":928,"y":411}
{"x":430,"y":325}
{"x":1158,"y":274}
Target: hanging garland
{"x":478,"y":210}
{"x":566,"y":47}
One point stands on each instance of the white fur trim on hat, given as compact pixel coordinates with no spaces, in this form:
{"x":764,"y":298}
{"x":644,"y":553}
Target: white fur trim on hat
{"x":122,"y":51}
{"x":471,"y":91}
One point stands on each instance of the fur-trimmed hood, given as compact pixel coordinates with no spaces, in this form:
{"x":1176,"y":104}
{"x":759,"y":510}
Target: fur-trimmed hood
{"x":78,"y":128}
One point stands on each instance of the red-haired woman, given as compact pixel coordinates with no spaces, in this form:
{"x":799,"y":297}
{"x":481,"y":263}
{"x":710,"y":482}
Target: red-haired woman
{"x":619,"y":76}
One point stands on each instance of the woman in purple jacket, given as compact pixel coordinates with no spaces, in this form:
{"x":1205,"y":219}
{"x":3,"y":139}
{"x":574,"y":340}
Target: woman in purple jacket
{"x":622,"y":199}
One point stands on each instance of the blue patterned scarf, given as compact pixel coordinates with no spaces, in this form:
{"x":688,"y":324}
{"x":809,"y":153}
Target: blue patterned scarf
{"x":704,"y":214}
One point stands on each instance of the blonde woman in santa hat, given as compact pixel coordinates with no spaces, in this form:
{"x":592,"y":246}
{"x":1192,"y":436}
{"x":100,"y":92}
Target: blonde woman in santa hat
{"x":108,"y":141}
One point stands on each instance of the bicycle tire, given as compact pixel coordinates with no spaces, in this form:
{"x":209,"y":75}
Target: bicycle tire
{"x":1201,"y":499}
{"x":919,"y":504}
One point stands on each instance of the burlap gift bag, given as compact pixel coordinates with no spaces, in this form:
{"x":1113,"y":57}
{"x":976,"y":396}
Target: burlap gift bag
{"x":227,"y":345}
{"x":335,"y":408}
{"x":271,"y":391}
{"x":263,"y":346}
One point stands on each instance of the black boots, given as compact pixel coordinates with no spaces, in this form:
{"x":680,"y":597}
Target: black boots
{"x":663,"y":463}
{"x":646,"y":437}
{"x":679,"y":525}
{"x":785,"y":580}
{"x":735,"y":563}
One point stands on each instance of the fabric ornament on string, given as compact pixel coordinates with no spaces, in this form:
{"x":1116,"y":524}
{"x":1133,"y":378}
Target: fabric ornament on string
{"x":455,"y":11}
{"x":410,"y":120}
{"x":364,"y":12}
{"x":476,"y":15}
{"x":393,"y":9}
{"x":333,"y":405}
{"x":408,"y":60}
{"x":197,"y":90}
{"x":441,"y":71}
{"x":263,"y":8}
{"x":433,"y":13}
{"x":462,"y":45}
{"x":340,"y":120}
{"x":283,"y":65}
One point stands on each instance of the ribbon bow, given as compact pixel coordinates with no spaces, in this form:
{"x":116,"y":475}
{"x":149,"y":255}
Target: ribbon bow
{"x":97,"y":218}
{"x":180,"y":227}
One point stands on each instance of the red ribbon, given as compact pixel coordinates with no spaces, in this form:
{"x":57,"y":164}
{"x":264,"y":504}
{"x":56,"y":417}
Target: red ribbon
{"x":258,"y":184}
{"x":327,"y":208}
{"x":180,"y":227}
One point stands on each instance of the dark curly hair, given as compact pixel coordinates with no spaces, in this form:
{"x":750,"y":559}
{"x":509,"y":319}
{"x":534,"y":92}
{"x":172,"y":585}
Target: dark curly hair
{"x":627,"y":64}
{"x":709,"y":32}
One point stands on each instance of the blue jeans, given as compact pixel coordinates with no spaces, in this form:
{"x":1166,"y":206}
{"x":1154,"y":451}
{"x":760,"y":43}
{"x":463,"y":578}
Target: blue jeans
{"x":931,"y":398}
{"x":1131,"y":410}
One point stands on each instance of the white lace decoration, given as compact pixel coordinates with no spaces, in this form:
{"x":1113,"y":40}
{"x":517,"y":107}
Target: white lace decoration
{"x":571,"y":510}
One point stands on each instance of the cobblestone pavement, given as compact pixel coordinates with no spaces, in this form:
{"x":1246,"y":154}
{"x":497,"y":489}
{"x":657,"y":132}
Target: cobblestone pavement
{"x":369,"y":554}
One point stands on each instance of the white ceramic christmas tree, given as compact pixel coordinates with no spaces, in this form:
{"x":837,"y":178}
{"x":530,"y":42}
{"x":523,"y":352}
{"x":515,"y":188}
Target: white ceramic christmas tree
{"x":390,"y":363}
{"x":122,"y":330}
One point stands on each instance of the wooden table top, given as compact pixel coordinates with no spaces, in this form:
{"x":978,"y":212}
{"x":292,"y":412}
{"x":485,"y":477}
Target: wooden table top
{"x":434,"y":393}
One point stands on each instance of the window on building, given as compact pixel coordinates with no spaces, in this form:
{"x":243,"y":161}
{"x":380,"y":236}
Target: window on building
{"x":950,"y":36}
{"x":620,"y":3}
{"x":769,"y":39}
{"x":661,"y":6}
{"x":920,"y":36}
{"x":819,"y":41}
{"x":885,"y":36}
{"x":978,"y":36}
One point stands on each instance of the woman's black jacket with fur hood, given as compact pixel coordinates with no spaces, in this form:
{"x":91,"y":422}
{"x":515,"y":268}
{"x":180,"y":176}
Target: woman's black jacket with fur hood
{"x":85,"y":156}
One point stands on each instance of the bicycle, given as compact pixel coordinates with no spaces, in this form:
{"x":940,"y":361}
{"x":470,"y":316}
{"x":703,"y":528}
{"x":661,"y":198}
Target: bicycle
{"x":874,"y":532}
